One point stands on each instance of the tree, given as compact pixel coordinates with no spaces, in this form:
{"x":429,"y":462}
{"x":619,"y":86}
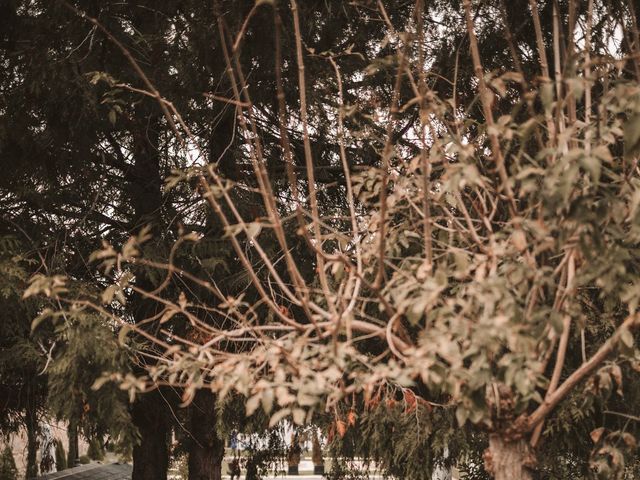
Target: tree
{"x":316,"y":454}
{"x":61,"y":456}
{"x":96,"y":166}
{"x":93,"y":190}
{"x":8,"y":469}
{"x":74,"y":450}
{"x":95,"y":451}
{"x":22,"y":385}
{"x":480,"y":261}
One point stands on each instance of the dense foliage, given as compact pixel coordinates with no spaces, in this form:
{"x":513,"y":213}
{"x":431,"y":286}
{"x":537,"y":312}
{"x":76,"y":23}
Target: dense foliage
{"x":61,"y":456}
{"x":8,"y":469}
{"x":409,"y":224}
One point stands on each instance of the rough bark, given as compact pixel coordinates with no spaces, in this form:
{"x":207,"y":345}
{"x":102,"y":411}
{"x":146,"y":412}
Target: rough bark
{"x":31,"y":420}
{"x":149,"y":413}
{"x":72,"y":433}
{"x":509,"y":460}
{"x":206,"y":449}
{"x":150,"y":456}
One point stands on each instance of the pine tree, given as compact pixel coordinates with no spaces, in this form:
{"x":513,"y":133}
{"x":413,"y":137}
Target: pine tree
{"x":120,"y":146}
{"x":22,"y":389}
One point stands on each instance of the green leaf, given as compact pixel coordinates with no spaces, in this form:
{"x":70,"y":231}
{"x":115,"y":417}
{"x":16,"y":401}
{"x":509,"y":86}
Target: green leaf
{"x":97,"y":385}
{"x":108,"y":293}
{"x":253,"y":229}
{"x":252,"y":404}
{"x":122,"y":334}
{"x":626,"y":337}
{"x":298,"y":416}
{"x":592,"y":165}
{"x":168,"y":315}
{"x":267,"y":400}
{"x":46,"y":313}
{"x":632,"y":135}
{"x":546,"y":95}
{"x":461,"y":415}
{"x":278,"y":416}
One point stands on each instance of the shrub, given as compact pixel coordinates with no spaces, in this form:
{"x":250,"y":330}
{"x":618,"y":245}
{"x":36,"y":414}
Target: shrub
{"x":95,"y":450}
{"x":61,"y":456}
{"x":8,"y":469}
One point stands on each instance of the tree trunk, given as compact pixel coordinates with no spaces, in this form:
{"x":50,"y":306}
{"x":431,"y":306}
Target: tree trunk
{"x":31,"y":420}
{"x":206,"y":448}
{"x":150,"y":412}
{"x":150,"y":456}
{"x":72,"y":434}
{"x":252,"y":469}
{"x":509,"y":460}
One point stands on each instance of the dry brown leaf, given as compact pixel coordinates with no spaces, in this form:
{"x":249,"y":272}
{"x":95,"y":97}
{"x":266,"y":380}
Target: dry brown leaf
{"x":596,"y":434}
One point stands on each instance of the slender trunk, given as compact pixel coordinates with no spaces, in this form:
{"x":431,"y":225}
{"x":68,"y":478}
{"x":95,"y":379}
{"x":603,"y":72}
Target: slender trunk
{"x":150,"y":456}
{"x":252,"y":469}
{"x":509,"y":460}
{"x":72,"y":434}
{"x":31,"y":420}
{"x":207,"y":449}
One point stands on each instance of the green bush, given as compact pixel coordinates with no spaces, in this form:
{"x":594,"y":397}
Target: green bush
{"x":84,"y":459}
{"x":110,"y":447}
{"x":61,"y":456}
{"x":95,"y":450}
{"x":8,"y":469}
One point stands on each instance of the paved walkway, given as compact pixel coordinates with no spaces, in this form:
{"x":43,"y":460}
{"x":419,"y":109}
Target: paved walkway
{"x":93,"y":471}
{"x":300,"y":477}
{"x":116,"y":471}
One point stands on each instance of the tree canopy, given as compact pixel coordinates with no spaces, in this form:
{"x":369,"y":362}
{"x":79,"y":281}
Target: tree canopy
{"x":412,"y":222}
